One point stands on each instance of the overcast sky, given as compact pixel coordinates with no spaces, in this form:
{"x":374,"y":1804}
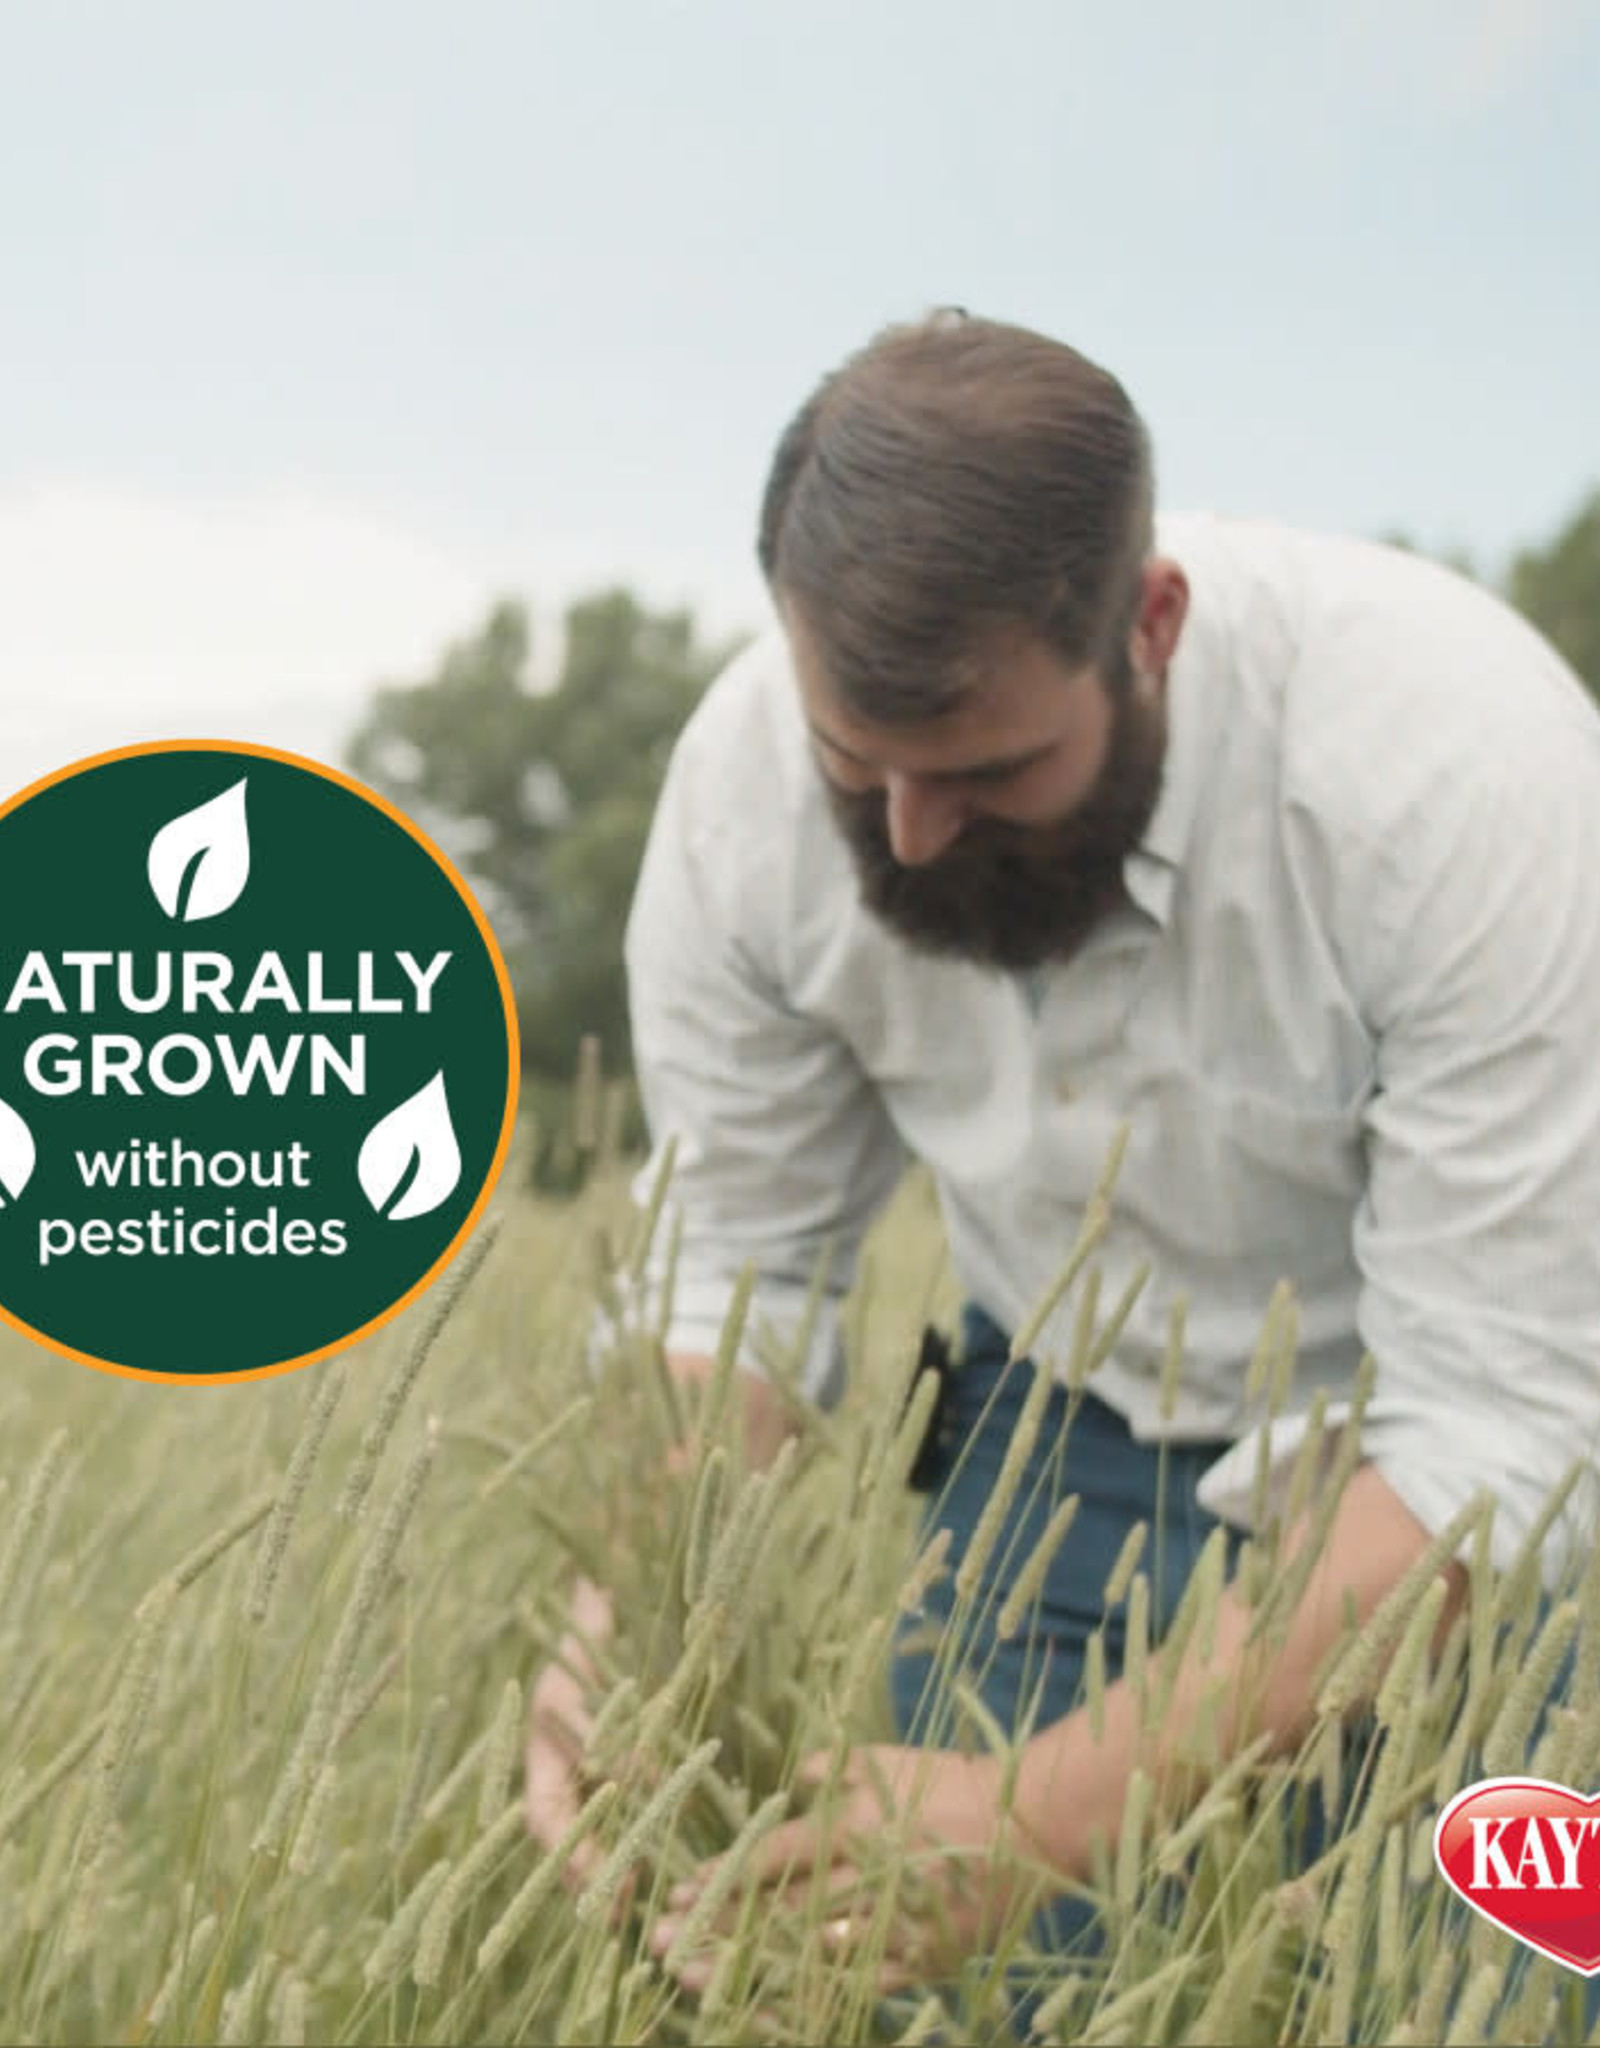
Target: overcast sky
{"x":322,"y":324}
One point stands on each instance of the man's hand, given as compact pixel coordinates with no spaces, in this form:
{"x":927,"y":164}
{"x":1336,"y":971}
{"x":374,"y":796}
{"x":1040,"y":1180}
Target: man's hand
{"x":766,"y":1421}
{"x":559,"y":1721}
{"x":559,"y":1725}
{"x":965,"y":1864}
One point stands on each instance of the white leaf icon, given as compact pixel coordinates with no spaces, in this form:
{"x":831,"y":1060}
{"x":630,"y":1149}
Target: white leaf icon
{"x":413,"y":1152}
{"x":200,"y":861}
{"x":17,"y":1154}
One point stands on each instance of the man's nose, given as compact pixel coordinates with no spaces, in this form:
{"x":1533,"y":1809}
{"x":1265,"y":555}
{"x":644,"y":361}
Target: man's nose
{"x":922,"y":819}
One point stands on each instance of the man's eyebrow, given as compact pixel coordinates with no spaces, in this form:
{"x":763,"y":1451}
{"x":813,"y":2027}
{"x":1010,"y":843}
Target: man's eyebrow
{"x":1005,"y":764}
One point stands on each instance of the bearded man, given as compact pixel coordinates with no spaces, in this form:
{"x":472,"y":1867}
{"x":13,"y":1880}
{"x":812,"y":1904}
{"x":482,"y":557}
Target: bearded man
{"x":1040,"y":818}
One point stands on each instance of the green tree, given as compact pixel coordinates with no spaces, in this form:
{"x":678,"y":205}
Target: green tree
{"x":545,"y":798}
{"x":1558,"y":588}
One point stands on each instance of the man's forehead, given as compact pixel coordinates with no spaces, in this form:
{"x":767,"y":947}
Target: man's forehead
{"x":967,"y":667}
{"x":1009,"y":708}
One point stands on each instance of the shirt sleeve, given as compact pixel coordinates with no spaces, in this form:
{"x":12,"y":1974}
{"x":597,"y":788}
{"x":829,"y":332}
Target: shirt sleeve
{"x":784,"y":1151}
{"x":1478,"y":1238}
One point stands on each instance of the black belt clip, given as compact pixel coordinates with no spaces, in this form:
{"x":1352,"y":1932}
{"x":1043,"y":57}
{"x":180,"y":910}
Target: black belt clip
{"x":934,"y":1355}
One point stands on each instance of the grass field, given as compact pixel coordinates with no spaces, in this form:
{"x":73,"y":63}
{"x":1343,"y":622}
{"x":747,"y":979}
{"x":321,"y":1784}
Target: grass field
{"x":265,"y":1653}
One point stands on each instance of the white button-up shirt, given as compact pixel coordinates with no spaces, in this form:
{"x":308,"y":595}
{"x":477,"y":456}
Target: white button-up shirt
{"x":1351,"y":1018}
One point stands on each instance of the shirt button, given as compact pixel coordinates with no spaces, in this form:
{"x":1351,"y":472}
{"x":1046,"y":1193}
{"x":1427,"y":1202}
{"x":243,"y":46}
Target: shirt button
{"x":1065,"y":1091}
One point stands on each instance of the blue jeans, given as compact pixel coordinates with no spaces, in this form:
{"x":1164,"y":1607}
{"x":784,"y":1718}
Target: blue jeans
{"x":1118,"y":1481}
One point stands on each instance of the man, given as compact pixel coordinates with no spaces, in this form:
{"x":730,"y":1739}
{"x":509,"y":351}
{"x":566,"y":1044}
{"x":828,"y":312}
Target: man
{"x":1038,"y":819}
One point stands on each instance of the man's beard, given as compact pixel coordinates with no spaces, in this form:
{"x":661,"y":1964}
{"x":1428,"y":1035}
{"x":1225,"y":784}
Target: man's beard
{"x":1017,"y":896}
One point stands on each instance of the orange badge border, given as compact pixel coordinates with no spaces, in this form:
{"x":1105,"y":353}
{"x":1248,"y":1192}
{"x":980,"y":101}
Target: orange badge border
{"x":458,"y":882}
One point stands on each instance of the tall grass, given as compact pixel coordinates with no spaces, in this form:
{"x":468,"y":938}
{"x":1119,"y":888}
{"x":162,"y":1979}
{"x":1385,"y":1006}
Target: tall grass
{"x":265,"y":1649}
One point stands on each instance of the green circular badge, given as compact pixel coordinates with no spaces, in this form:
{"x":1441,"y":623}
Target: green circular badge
{"x":258,"y":1061}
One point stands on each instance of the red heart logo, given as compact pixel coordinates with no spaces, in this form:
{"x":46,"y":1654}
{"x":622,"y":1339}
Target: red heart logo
{"x":1526,"y":1854}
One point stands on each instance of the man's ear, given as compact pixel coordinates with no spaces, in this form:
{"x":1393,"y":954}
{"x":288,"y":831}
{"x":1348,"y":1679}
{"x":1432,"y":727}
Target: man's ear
{"x":1163,"y":607}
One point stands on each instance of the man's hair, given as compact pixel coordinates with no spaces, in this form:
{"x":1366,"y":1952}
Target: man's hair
{"x":954,"y":483}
